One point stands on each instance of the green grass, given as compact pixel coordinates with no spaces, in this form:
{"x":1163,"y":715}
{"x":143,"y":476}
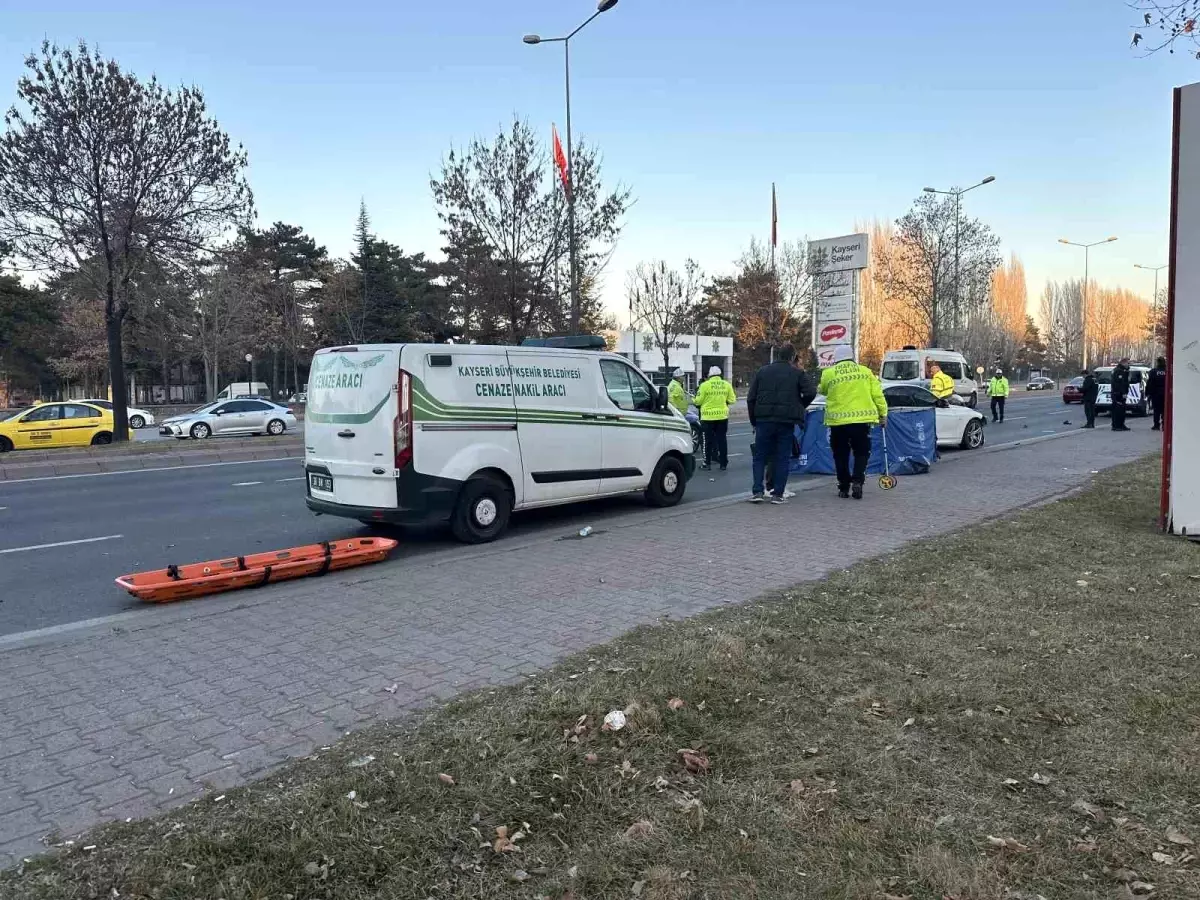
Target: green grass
{"x":868,"y":737}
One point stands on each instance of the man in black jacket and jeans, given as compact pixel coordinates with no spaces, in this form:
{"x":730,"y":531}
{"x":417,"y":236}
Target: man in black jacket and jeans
{"x":779,"y":395}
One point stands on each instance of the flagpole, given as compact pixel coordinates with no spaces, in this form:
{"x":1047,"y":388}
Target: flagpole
{"x":774,"y":277}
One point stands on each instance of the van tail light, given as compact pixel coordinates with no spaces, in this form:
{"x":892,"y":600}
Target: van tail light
{"x":403,"y":423}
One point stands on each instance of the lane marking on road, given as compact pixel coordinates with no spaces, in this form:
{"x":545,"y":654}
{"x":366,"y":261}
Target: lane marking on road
{"x":238,"y":462}
{"x":246,"y":483}
{"x":283,"y":480}
{"x":107,"y":537}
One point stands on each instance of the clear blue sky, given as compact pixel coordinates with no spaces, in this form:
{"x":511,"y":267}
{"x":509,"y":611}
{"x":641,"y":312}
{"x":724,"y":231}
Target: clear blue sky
{"x":697,"y":105}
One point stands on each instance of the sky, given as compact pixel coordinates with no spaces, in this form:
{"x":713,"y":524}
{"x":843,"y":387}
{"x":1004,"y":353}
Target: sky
{"x":696,"y":105}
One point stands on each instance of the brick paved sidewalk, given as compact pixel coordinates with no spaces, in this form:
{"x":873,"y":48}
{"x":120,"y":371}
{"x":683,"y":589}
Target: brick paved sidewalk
{"x":117,"y":721}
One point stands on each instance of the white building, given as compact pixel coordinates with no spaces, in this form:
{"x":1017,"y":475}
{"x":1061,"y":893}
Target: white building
{"x":694,"y":354}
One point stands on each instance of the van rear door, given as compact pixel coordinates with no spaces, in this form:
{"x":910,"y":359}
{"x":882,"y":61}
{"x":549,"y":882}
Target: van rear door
{"x":349,"y":423}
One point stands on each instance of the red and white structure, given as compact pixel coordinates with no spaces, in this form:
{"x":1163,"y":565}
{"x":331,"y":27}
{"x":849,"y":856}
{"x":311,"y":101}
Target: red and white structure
{"x":1181,"y":431}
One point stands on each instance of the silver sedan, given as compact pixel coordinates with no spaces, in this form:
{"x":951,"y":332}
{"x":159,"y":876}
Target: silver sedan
{"x":231,"y":417}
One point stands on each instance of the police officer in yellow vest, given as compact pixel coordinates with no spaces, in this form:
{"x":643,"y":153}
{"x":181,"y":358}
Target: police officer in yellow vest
{"x":713,"y":398}
{"x":677,"y":396}
{"x":941,"y":384}
{"x":998,"y":391}
{"x":853,"y":403}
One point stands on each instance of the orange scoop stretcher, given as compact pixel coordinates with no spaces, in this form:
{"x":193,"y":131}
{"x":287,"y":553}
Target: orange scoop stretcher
{"x":220,"y":575}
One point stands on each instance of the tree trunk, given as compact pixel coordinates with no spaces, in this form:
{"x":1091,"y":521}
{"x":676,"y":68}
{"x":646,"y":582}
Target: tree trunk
{"x":275,"y":374}
{"x":116,"y":374}
{"x":296,"y":373}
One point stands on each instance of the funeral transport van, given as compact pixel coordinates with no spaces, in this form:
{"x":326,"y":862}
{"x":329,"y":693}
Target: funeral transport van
{"x":414,"y":434}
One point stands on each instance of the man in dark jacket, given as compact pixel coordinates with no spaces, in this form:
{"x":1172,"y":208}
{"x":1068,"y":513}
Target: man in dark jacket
{"x":1120,"y":393}
{"x":779,"y":395}
{"x":1090,"y":391}
{"x":1156,"y":390}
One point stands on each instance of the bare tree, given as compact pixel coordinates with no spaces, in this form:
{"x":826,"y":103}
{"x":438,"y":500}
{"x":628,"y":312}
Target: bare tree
{"x":939,"y":266}
{"x":664,"y":302}
{"x":505,"y":195}
{"x":1164,"y":25}
{"x":1061,"y":317}
{"x":96,"y":164}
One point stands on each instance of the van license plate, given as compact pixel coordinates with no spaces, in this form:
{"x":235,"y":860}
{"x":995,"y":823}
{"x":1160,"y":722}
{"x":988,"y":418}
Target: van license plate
{"x":320,"y":482}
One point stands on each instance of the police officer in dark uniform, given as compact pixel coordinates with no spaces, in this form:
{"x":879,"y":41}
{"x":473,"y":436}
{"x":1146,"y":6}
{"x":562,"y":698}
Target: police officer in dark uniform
{"x":1156,"y":391}
{"x":1120,"y":393}
{"x":1090,"y":390}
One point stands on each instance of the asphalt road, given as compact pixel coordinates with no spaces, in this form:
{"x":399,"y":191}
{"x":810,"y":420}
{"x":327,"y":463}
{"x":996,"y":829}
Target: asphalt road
{"x":63,"y":540}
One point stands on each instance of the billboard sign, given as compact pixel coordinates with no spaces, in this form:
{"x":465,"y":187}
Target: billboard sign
{"x":825,"y":354}
{"x":832,"y":309}
{"x":841,"y":254}
{"x":834,"y":333}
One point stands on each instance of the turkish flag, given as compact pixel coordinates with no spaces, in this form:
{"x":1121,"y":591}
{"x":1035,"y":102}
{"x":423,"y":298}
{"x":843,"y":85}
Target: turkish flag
{"x":560,"y":160}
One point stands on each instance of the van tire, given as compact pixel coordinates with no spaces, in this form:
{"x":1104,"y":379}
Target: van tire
{"x":973,"y":400}
{"x":482,"y":511}
{"x":667,"y":484}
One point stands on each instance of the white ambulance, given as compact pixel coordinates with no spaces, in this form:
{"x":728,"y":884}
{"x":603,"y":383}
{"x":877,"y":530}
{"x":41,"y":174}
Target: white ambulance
{"x":465,"y":434}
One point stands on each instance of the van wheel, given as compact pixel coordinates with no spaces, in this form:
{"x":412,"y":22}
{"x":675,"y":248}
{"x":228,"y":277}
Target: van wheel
{"x":482,"y":511}
{"x":973,"y":400}
{"x":666,"y":487}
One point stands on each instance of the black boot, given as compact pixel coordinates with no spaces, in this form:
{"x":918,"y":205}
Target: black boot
{"x":843,"y":492}
{"x":856,"y":492}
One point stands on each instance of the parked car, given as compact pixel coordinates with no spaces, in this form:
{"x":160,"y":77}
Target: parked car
{"x":1136,"y":402}
{"x":957,"y":424}
{"x":1073,"y":391}
{"x":1041,"y":383}
{"x":137,"y":418}
{"x":230,"y":417}
{"x":56,"y":425}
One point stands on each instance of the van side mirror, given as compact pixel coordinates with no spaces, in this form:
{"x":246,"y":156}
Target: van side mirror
{"x":663,"y":399}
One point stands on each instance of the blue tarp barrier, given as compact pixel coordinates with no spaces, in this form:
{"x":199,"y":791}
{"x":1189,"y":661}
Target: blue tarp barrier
{"x":912,"y":444}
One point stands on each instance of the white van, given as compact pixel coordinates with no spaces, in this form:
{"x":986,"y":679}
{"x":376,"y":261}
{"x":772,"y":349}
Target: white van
{"x":912,"y":366}
{"x":245,"y":389}
{"x":422,"y":433}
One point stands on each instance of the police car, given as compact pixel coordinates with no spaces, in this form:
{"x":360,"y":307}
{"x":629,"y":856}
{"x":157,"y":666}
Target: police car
{"x":1136,"y":403}
{"x":466,"y":434}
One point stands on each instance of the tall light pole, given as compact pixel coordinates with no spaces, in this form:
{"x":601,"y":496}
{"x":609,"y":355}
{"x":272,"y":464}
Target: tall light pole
{"x":1154,"y":302}
{"x":957,"y":195}
{"x":602,"y":6}
{"x":1083,"y":318}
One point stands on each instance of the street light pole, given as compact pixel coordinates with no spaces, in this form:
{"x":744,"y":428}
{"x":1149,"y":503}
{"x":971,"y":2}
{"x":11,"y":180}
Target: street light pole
{"x":602,"y":6}
{"x":1154,"y":301}
{"x":957,"y":195}
{"x":1086,"y":288}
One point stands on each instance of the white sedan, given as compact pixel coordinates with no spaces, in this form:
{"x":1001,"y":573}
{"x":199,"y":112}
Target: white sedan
{"x":958,"y":425}
{"x":137,"y":418}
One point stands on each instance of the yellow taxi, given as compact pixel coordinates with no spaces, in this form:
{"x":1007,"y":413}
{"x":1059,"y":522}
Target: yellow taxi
{"x":56,"y":425}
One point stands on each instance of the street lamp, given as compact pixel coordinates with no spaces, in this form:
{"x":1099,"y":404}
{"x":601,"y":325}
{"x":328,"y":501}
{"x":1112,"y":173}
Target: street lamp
{"x":1153,"y":302}
{"x":1083,"y":318}
{"x":602,"y":7}
{"x":957,"y":195}
{"x":250,"y":363}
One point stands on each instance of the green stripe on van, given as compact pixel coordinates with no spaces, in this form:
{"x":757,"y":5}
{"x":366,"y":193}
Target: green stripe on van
{"x":347,"y":418}
{"x":427,"y":408}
